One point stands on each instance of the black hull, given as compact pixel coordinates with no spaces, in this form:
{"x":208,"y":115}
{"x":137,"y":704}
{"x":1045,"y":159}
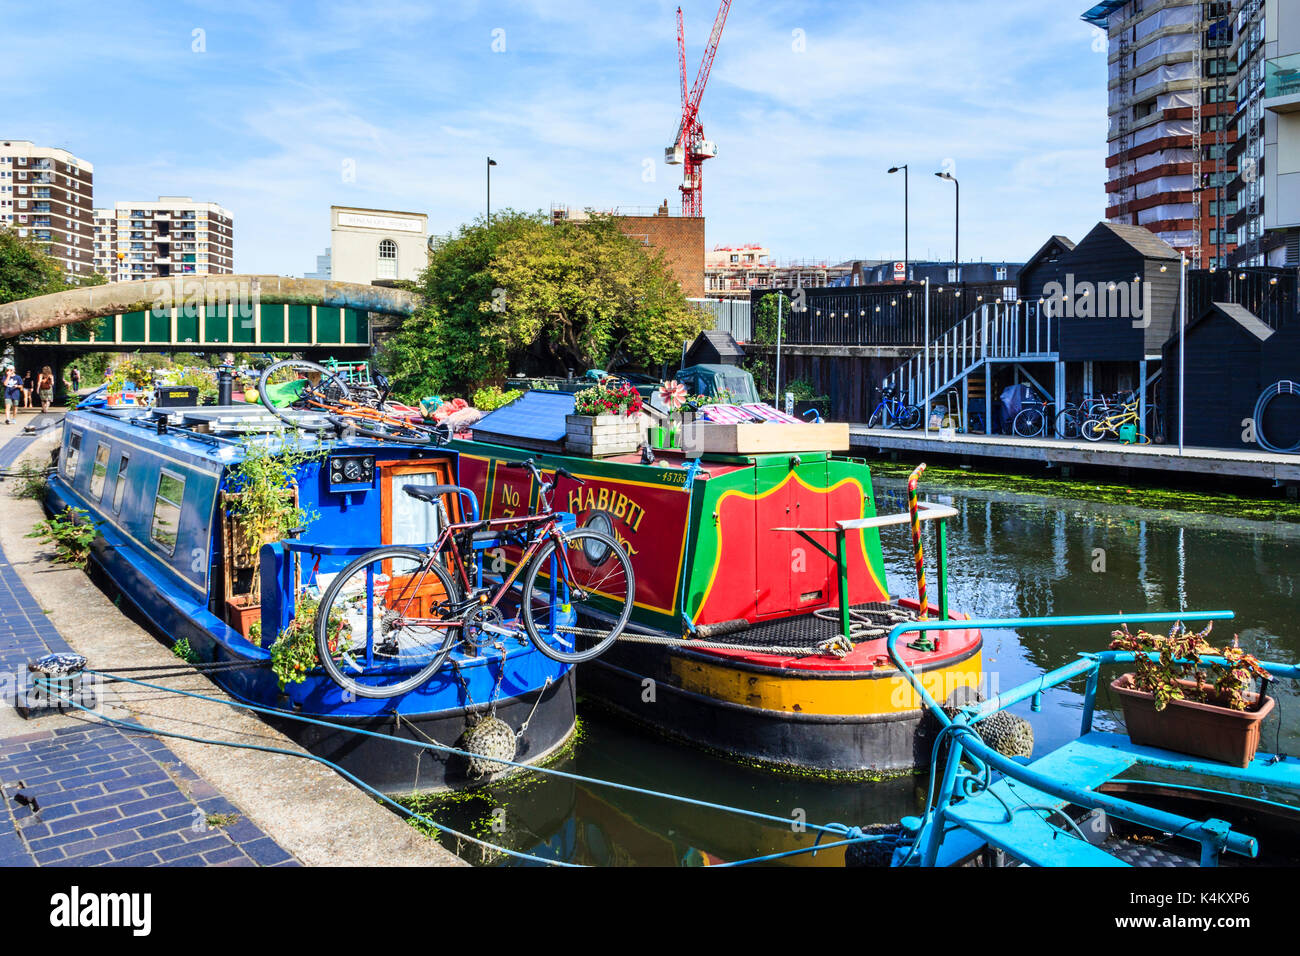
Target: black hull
{"x":866,"y":746}
{"x":400,"y":769}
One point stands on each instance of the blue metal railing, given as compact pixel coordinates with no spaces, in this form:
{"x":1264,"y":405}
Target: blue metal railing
{"x":1213,"y":835}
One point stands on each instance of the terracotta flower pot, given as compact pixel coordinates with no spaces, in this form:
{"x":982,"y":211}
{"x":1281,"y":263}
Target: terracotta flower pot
{"x":241,"y":616}
{"x":1190,"y":727}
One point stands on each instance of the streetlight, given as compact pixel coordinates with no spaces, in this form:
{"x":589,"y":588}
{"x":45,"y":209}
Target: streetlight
{"x":906,"y":259}
{"x":956,"y":236}
{"x":490,"y":163}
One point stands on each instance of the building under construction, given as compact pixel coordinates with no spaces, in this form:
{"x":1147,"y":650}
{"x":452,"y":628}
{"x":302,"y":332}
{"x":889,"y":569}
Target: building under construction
{"x":1170,"y":131}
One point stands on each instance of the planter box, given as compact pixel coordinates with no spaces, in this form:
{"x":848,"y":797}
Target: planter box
{"x":241,"y":616}
{"x":600,"y":436}
{"x":117,"y":399}
{"x":701,"y":438}
{"x":1185,"y":726}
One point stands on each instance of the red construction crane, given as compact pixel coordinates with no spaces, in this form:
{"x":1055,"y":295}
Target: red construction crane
{"x":690,"y":149}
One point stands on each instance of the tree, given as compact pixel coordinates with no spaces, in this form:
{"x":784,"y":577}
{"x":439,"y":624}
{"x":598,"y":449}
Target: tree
{"x":27,"y":270}
{"x":572,"y":295}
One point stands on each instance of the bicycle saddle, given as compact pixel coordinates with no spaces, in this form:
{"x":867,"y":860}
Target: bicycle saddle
{"x":430,"y":492}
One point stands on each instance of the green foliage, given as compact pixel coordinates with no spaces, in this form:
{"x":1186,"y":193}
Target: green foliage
{"x":186,"y":653}
{"x":260,"y":497}
{"x":29,"y":480}
{"x":294,"y":652}
{"x":491,"y":397}
{"x":572,"y":295}
{"x":765,"y":318}
{"x":204,"y":381}
{"x":134,"y":370}
{"x":1178,"y":655}
{"x":25,"y":269}
{"x":72,"y":533}
{"x":610,"y":397}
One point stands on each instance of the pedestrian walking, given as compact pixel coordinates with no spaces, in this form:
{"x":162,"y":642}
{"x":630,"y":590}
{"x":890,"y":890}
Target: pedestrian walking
{"x":45,"y":388}
{"x":76,"y":380}
{"x":28,"y":385}
{"x":13,"y":389}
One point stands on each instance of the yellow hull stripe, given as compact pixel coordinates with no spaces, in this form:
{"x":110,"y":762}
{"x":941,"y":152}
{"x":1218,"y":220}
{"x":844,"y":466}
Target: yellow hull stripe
{"x":842,"y":697}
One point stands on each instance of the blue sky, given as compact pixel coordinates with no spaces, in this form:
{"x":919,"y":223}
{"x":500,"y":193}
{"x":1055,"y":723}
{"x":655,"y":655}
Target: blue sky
{"x":281,"y":97}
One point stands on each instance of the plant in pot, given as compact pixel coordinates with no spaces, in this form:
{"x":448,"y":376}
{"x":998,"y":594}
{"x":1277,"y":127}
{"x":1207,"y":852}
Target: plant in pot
{"x":606,"y":420}
{"x":261,"y":503}
{"x":1169,"y":703}
{"x":129,"y":380}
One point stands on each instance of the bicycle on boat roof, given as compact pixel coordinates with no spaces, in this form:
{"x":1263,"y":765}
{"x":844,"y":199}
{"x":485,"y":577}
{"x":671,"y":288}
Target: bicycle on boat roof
{"x":388,"y":621}
{"x":307,"y":386}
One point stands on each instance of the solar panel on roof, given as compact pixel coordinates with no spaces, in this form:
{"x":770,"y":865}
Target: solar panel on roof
{"x":535,"y":415}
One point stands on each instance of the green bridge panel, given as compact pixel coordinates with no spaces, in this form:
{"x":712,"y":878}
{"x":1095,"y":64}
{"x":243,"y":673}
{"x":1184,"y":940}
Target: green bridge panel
{"x":160,"y":326}
{"x":273,"y":323}
{"x":187,"y":326}
{"x":300,"y":325}
{"x":216,"y":324}
{"x":133,"y":326}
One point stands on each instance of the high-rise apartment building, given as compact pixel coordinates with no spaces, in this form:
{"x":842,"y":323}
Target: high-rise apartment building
{"x":1170,"y":137}
{"x":1266,"y":51}
{"x":47,"y":195}
{"x":173,"y":236}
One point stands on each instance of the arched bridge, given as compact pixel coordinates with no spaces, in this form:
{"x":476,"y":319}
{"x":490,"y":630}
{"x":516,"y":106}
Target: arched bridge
{"x":206,"y":313}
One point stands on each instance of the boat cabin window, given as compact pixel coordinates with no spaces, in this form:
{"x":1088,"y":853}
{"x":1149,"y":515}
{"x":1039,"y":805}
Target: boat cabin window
{"x":167,"y":510}
{"x":120,"y":488}
{"x":99,"y":473}
{"x":70,"y":456}
{"x":405,"y":520}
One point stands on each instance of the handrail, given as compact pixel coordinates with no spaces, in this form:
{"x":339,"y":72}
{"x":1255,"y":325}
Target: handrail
{"x":1213,"y":835}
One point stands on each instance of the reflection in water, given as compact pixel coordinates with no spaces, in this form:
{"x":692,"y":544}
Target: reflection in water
{"x":1009,"y":556}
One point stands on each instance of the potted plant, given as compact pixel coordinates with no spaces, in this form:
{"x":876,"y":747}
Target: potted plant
{"x":606,"y":420}
{"x":261,"y":507}
{"x":674,"y":396}
{"x":129,"y":382}
{"x":1169,"y":703}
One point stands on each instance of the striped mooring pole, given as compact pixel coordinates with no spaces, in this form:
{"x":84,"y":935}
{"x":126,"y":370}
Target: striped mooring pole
{"x":913,"y":509}
{"x":923,"y":641}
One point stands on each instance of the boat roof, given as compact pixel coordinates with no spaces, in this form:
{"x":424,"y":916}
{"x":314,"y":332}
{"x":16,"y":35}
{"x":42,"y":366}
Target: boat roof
{"x":216,"y":433}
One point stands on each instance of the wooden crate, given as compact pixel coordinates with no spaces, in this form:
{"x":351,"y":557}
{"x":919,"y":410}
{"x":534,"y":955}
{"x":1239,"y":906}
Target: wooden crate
{"x":603,"y":435}
{"x":702,"y":438}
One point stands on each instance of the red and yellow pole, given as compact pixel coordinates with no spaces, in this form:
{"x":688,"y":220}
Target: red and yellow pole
{"x":914,"y":510}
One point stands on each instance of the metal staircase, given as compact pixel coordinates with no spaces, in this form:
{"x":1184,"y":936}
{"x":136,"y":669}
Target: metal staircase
{"x":1007,"y":332}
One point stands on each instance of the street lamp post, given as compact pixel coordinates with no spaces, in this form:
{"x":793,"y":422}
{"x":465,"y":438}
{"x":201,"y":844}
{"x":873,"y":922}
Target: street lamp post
{"x":956,"y":234}
{"x":490,"y":163}
{"x":906,"y":258}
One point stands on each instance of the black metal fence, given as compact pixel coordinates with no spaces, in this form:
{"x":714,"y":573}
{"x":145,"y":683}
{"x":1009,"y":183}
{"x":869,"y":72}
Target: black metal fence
{"x":1269,"y":293}
{"x":885,"y":315}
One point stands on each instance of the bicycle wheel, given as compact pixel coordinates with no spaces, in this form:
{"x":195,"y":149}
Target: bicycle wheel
{"x":877,"y":419}
{"x":383,"y":626}
{"x":1029,"y":423}
{"x":1067,"y":423}
{"x":911,"y":417}
{"x":382,"y":430}
{"x":573,"y":615}
{"x":320,"y":387}
{"x":1094,"y":430}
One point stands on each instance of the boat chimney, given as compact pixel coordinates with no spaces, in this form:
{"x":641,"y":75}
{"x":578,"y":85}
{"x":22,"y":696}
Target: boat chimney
{"x":225,"y":386}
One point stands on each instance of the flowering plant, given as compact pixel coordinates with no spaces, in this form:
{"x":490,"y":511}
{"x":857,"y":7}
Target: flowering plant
{"x":673,"y":394}
{"x":610,"y":397}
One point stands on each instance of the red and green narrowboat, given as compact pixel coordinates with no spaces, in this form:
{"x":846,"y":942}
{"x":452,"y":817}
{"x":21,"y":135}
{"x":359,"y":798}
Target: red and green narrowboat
{"x":736,"y":638}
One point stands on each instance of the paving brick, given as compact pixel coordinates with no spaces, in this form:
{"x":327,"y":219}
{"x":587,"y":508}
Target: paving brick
{"x":45,"y":857}
{"x":151,"y":845}
{"x":265,"y":851}
{"x":140,"y":859}
{"x":223,"y":854}
{"x":98,"y":858}
{"x":106,"y":842}
{"x":128,"y":823}
{"x":84,"y":820}
{"x":198,"y":846}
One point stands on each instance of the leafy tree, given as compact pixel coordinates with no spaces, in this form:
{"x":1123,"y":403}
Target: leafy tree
{"x":568,"y":295}
{"x":25,"y":269}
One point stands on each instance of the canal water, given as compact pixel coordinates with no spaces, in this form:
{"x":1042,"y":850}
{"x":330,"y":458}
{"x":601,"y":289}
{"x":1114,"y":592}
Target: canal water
{"x":1010,"y":555}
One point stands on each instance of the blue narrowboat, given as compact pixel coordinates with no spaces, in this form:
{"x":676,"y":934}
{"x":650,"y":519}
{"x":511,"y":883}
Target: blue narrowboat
{"x":155,"y":482}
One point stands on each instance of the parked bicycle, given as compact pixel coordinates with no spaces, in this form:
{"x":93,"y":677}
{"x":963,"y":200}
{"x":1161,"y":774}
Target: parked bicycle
{"x":299,"y":385}
{"x":1113,"y":424}
{"x":893,"y":412}
{"x":388,"y":621}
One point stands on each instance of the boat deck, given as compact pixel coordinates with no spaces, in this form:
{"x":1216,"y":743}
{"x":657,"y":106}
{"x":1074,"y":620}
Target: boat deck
{"x":868,"y":654}
{"x":1089,"y":761}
